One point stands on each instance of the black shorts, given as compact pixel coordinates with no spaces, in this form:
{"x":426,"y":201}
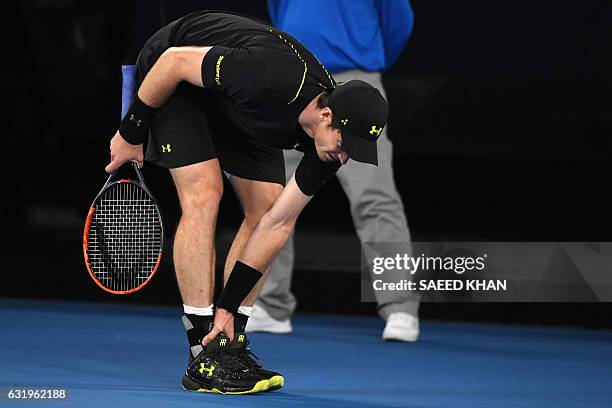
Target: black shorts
{"x":190,"y":128}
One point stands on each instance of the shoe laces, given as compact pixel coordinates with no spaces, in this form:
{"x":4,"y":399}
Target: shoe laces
{"x":224,"y":355}
{"x":249,"y":357}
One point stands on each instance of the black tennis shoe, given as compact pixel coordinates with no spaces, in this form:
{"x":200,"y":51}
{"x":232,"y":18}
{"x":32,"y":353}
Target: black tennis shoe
{"x":241,"y":351}
{"x":217,"y":370}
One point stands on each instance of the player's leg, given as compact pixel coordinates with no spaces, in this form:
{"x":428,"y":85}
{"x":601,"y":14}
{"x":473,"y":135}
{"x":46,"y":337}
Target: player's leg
{"x":180,"y":140}
{"x":257,"y":174}
{"x":378,"y":215}
{"x":200,"y":188}
{"x":256,"y":197}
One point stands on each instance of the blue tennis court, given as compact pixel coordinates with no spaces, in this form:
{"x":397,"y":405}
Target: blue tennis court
{"x":127,"y":355}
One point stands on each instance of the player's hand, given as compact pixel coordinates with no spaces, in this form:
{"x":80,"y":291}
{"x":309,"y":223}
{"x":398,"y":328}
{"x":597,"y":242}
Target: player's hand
{"x":122,"y":152}
{"x":224,"y":323}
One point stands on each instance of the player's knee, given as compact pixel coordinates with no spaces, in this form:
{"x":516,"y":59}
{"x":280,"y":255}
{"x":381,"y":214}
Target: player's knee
{"x":201,"y":198}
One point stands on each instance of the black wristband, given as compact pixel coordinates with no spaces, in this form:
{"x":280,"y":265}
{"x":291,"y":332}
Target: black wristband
{"x":240,"y":282}
{"x":137,"y":121}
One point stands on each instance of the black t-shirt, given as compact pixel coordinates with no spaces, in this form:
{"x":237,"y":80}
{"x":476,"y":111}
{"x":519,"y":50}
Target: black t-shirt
{"x":265,"y":78}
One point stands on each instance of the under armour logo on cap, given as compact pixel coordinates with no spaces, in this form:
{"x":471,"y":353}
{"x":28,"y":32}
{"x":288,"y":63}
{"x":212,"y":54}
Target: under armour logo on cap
{"x":376,"y":130}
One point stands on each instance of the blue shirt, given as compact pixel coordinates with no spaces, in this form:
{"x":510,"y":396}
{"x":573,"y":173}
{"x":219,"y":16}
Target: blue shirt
{"x":347,"y":34}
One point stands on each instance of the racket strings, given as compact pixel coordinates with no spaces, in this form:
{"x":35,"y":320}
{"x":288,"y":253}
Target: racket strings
{"x":125,"y":237}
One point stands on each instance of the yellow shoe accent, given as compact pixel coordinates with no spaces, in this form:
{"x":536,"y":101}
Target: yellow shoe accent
{"x":276,"y":382}
{"x":261,"y":386}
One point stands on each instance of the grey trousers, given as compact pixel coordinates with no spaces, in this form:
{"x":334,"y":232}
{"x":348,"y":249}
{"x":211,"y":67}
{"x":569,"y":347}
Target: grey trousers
{"x":377,"y":212}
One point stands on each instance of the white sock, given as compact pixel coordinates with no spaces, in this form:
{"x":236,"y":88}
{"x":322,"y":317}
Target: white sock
{"x":199,"y":311}
{"x":245,"y":310}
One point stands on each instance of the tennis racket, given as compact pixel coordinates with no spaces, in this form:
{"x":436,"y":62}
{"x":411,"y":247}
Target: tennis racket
{"x":124,"y":234}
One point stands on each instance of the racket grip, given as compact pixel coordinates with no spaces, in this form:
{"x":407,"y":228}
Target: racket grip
{"x":128,"y":74}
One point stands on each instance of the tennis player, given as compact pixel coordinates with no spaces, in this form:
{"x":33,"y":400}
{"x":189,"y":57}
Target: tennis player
{"x":222,"y":92}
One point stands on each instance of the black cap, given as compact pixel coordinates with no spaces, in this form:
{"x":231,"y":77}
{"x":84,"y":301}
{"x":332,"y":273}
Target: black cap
{"x":361,"y":111}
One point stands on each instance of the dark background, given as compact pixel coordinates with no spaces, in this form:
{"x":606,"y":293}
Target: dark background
{"x":501,"y":118}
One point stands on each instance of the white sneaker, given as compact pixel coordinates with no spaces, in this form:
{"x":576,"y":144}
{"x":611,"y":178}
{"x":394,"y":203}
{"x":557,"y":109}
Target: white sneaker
{"x":261,"y":321}
{"x":401,"y":326}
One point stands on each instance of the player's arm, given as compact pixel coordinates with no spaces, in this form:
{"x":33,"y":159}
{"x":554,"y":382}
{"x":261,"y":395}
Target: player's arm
{"x":271,"y":233}
{"x":239,"y":73}
{"x":175,"y":65}
{"x":276,"y":225}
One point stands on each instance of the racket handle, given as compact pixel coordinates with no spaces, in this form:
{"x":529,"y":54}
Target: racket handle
{"x":128,"y":74}
{"x":128,"y":85}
